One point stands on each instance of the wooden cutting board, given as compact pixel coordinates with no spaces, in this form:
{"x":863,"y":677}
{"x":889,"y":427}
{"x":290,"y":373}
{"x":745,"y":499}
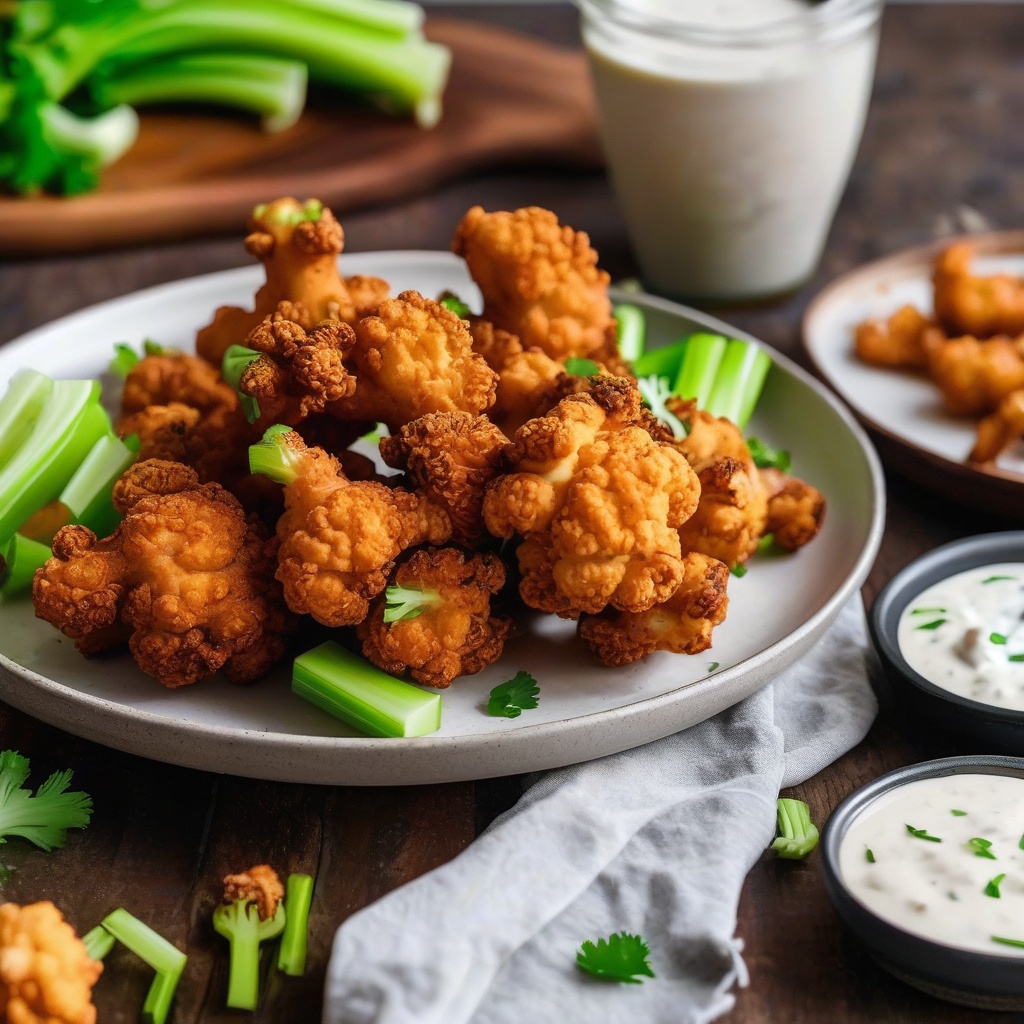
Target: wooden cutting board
{"x":511,"y":100}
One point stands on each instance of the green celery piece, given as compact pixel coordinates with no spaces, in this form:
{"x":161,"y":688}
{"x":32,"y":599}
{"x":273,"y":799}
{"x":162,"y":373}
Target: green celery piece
{"x":661,"y":362}
{"x":87,"y":493}
{"x":239,"y":922}
{"x":272,"y":456}
{"x":408,"y":602}
{"x":165,"y":958}
{"x":797,"y":835}
{"x":350,"y":688}
{"x":274,"y":88}
{"x":71,"y":422}
{"x":21,"y":558}
{"x":98,"y":942}
{"x":630,"y":330}
{"x":700,"y":363}
{"x":124,"y":360}
{"x":235,"y":362}
{"x":738,"y":382}
{"x":22,"y":402}
{"x":291,"y":955}
{"x":101,"y":139}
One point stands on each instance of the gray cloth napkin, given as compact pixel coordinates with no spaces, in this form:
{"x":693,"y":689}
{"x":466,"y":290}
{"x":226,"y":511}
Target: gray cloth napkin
{"x":654,"y":841}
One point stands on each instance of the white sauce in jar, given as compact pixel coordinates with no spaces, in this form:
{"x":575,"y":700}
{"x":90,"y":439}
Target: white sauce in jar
{"x":945,"y":890}
{"x":965,"y":634}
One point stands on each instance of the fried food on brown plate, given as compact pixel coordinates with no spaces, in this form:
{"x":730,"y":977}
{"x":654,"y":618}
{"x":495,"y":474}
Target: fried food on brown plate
{"x":980,"y":306}
{"x":796,"y":509}
{"x":902,"y":340}
{"x":974,"y":375}
{"x":186,"y":579}
{"x":598,"y":501}
{"x":682,"y":624}
{"x":450,"y":629}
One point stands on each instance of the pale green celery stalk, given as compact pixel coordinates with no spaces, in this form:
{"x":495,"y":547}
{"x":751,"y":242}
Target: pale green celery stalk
{"x":235,"y":362}
{"x":103,"y":139}
{"x":21,"y":558}
{"x":740,"y":378}
{"x":350,"y":688}
{"x":87,"y":495}
{"x":797,"y":835}
{"x":274,"y":457}
{"x":291,"y":956}
{"x":655,"y":393}
{"x":661,"y":362}
{"x":124,"y":360}
{"x":98,"y":942}
{"x":700,"y":364}
{"x":239,"y":922}
{"x":22,"y":402}
{"x":274,"y":88}
{"x":630,"y":331}
{"x":408,"y":602}
{"x":70,"y":423}
{"x":166,"y":959}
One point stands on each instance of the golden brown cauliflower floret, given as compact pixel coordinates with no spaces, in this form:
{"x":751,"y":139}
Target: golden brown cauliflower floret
{"x":796,"y":510}
{"x":46,"y":975}
{"x":683,"y":624}
{"x":1000,"y":430}
{"x":978,"y":306}
{"x":185,"y":571}
{"x":175,"y":377}
{"x":975,"y":375}
{"x":539,"y":280}
{"x":902,"y":340}
{"x":298,"y":244}
{"x":339,"y":537}
{"x":450,"y":457}
{"x":260,"y":885}
{"x":367,"y":293}
{"x":598,"y":502}
{"x":454,"y":633}
{"x":411,"y":358}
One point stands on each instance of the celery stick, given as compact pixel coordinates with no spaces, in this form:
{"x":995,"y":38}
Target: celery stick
{"x":273,"y":456}
{"x":350,"y":688}
{"x":98,"y":942}
{"x":700,"y":364}
{"x":291,"y":956}
{"x":123,"y":361}
{"x":235,"y":362}
{"x":21,"y":558}
{"x":661,"y":362}
{"x":738,"y":383}
{"x":87,"y":494}
{"x":630,"y":330}
{"x":20,"y":406}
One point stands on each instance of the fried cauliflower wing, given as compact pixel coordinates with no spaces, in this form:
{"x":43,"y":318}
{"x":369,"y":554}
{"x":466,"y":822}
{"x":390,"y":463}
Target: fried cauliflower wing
{"x":451,"y":457}
{"x":974,"y":375}
{"x":539,"y":280}
{"x":46,"y":974}
{"x":899,"y":341}
{"x":999,"y":430}
{"x":796,"y":510}
{"x":454,"y":633}
{"x":682,"y":624}
{"x":186,"y":572}
{"x":339,"y":538}
{"x":175,"y":378}
{"x":298,"y":244}
{"x":598,"y":502}
{"x":976,"y":306}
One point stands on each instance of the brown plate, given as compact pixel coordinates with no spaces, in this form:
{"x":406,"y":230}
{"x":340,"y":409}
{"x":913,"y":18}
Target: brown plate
{"x":511,"y":100}
{"x":903,"y":410}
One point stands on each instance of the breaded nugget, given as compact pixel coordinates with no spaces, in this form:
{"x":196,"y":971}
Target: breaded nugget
{"x":977,"y":306}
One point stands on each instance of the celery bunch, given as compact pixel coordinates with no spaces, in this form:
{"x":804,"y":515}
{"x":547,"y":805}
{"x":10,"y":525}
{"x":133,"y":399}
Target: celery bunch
{"x":73,"y":71}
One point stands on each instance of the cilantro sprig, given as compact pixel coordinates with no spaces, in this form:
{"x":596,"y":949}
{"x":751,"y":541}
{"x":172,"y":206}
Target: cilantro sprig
{"x":620,"y":957}
{"x":43,"y":818}
{"x":510,"y":699}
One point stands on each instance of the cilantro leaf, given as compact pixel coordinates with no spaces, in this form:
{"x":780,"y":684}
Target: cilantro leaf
{"x":769,"y":458}
{"x":582,"y":367}
{"x":45,"y":817}
{"x":620,"y":957}
{"x":512,"y":698}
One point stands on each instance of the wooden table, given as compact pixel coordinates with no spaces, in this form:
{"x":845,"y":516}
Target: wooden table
{"x":943,"y":135}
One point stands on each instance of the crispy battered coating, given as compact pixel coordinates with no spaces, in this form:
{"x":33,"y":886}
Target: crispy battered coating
{"x":974,"y":375}
{"x":178,"y":378}
{"x":299,"y":372}
{"x":978,"y":306}
{"x":598,"y":502}
{"x":456,"y":634}
{"x":340,"y":538}
{"x":1000,"y":430}
{"x":539,"y":279}
{"x":683,"y":624}
{"x":899,"y":341}
{"x":300,"y":257}
{"x":412,"y":358}
{"x":367,"y":293}
{"x":260,"y":885}
{"x":46,"y":975}
{"x":451,"y":457}
{"x":185,"y":570}
{"x":796,"y":510}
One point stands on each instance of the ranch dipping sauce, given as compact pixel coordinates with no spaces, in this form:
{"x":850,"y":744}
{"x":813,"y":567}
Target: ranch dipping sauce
{"x":730,"y":127}
{"x":941,"y":858}
{"x":965,"y":634}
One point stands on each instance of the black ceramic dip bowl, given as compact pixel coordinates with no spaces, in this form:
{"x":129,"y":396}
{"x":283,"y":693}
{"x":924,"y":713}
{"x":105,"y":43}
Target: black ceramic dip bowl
{"x":993,"y":981}
{"x":989,"y":728}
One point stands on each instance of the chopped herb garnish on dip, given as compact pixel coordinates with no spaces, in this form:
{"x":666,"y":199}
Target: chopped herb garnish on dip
{"x":869,"y":856}
{"x":992,"y":889}
{"x":997,"y":638}
{"x":1019,"y":943}
{"x":1016,"y":657}
{"x":713,"y":666}
{"x":995,"y":579}
{"x":958,"y":814}
{"x":934,"y":624}
{"x":981,"y":848}
{"x":922,"y":833}
{"x":928,"y":611}
{"x":1020,"y":845}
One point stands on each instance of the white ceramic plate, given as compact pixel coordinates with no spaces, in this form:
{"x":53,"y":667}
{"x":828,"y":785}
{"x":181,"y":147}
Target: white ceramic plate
{"x":902,"y":409}
{"x":776,"y":612}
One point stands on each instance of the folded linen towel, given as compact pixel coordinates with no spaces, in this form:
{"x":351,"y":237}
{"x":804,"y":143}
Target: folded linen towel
{"x":654,"y":841}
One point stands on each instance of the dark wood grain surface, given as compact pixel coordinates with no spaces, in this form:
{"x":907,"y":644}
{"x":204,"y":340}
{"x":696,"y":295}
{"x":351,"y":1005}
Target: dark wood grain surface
{"x":943,"y":143}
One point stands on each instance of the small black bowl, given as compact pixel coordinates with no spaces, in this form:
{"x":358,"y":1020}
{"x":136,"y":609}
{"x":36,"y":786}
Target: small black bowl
{"x":963,"y":976}
{"x":990,"y":729}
